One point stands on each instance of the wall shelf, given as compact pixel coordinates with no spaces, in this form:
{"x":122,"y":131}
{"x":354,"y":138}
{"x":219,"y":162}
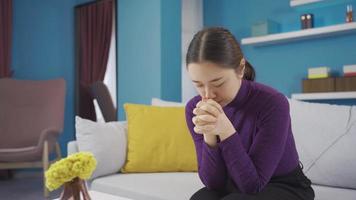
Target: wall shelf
{"x":294,"y":3}
{"x":317,"y":3}
{"x":324,"y":95}
{"x":326,"y":31}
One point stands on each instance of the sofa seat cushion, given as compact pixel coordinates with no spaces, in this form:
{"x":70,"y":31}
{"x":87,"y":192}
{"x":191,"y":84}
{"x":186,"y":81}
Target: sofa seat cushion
{"x":332,"y":193}
{"x":181,"y":185}
{"x":149,"y":186}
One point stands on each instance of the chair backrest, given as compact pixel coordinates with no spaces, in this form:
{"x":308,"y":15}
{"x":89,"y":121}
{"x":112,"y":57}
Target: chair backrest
{"x":101,"y":93}
{"x":27,"y":108}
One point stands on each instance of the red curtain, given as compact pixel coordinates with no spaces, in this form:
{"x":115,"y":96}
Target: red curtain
{"x":5,"y":52}
{"x":5,"y":37}
{"x":94,"y":23}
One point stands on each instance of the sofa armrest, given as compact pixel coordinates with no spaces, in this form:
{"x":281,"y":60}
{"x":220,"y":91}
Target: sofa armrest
{"x":72,"y":147}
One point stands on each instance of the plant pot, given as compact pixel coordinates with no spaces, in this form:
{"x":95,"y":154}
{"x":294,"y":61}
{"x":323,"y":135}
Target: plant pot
{"x":75,"y":190}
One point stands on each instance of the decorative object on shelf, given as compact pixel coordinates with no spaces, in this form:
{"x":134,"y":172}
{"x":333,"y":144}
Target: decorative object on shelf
{"x":345,"y":83}
{"x":71,"y":171}
{"x":264,"y":28}
{"x":318,"y":72}
{"x":319,"y":80}
{"x":318,"y":85}
{"x":349,"y":70}
{"x":349,"y":17}
{"x":307,"y":21}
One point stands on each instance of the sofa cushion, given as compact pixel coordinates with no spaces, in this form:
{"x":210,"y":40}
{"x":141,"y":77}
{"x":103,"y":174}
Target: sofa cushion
{"x":107,"y":142}
{"x":181,"y":185}
{"x":158,"y":140}
{"x":150,"y":186}
{"x":325,"y":137}
{"x":332,"y":193}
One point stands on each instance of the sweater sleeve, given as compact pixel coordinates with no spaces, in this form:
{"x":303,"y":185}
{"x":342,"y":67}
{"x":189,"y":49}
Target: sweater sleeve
{"x":252,"y":169}
{"x":211,"y":167}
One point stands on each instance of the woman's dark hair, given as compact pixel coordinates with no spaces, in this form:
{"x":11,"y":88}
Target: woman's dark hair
{"x":218,"y":45}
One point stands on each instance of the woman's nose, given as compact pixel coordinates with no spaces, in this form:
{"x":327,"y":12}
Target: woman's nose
{"x":209,"y":94}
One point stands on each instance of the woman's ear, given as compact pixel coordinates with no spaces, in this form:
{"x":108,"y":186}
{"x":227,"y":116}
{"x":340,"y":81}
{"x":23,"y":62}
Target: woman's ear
{"x":240,"y":72}
{"x":241,"y":69}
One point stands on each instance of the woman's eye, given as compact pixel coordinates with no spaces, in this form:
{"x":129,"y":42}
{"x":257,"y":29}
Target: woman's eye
{"x":220,"y":84}
{"x":199,"y":86}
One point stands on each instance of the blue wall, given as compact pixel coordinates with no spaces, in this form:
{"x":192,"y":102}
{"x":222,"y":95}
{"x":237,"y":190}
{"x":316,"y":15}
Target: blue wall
{"x":283,"y":66}
{"x":148,"y":51}
{"x":149,"y":45}
{"x":171,"y":48}
{"x":139,"y":48}
{"x":43,"y":48}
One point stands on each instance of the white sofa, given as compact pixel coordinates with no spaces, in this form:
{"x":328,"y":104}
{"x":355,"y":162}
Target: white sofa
{"x":326,"y":141}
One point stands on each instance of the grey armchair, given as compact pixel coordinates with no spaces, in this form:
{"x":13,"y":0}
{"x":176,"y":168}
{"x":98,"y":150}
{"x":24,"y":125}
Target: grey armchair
{"x":31,"y":119}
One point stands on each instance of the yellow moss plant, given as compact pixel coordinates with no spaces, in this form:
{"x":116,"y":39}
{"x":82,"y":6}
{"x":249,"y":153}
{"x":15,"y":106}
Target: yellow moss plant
{"x":79,"y":165}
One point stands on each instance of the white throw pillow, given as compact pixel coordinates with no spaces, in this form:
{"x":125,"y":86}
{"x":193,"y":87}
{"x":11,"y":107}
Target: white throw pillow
{"x":325,"y":137}
{"x":163,"y":103}
{"x":107,"y":141}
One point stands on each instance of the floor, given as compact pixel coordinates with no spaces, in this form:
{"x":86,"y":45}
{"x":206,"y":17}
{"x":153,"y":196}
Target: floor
{"x":25,"y":185}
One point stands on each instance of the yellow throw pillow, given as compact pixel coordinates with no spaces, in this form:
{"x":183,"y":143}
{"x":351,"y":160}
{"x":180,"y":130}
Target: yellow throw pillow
{"x":158,"y":140}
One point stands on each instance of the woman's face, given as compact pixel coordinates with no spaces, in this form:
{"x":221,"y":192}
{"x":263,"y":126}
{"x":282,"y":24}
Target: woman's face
{"x":215,"y":82}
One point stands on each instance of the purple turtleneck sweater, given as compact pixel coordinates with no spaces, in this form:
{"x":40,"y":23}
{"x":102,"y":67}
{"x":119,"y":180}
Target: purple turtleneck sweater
{"x":262,"y":147}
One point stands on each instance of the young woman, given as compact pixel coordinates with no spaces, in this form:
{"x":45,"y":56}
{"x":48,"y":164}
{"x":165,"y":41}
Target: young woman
{"x":241,"y":129}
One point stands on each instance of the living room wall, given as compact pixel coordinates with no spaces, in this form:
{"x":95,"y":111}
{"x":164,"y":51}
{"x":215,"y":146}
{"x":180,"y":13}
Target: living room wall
{"x":43,"y":48}
{"x":149,"y":49}
{"x":283,"y":66}
{"x":171,"y":31}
